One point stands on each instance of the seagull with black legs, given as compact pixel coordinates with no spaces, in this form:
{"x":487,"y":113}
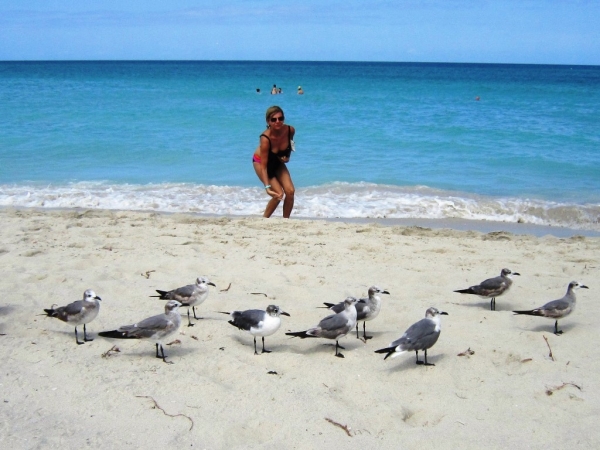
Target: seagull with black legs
{"x":191,"y":295}
{"x":157,"y":329}
{"x":557,"y":309}
{"x":492,"y":287}
{"x":77,"y":313}
{"x":419,"y":336}
{"x":258,"y":322}
{"x":366,"y":308}
{"x":335,"y":326}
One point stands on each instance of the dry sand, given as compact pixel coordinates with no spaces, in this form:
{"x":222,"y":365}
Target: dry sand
{"x":218,"y":394}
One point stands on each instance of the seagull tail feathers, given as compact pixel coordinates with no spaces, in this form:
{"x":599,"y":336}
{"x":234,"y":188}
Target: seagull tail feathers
{"x":388,"y":350}
{"x":531,"y":312}
{"x":51,"y":312}
{"x":162,"y":295}
{"x":116,"y":334}
{"x":300,"y":334}
{"x":465,"y":291}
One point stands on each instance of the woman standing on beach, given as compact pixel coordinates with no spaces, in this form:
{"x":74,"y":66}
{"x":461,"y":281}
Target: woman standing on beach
{"x":274,"y":150}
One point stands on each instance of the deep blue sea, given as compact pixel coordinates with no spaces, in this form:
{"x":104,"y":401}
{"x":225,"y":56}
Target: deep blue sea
{"x":395,"y":140}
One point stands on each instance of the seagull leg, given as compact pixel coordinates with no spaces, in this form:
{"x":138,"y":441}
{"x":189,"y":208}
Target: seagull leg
{"x":365,"y":332}
{"x":263,"y":350}
{"x":493,"y":304}
{"x":190,"y":324}
{"x":85,"y":338}
{"x":357,"y":330}
{"x":77,"y":338}
{"x":417,"y":353}
{"x":339,"y":355}
{"x":255,"y":352}
{"x":164,"y":358}
{"x":197,"y":318}
{"x":426,"y":363}
{"x":556,"y":330}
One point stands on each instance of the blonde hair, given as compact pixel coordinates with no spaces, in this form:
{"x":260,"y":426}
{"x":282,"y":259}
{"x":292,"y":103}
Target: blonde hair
{"x":272,"y":110}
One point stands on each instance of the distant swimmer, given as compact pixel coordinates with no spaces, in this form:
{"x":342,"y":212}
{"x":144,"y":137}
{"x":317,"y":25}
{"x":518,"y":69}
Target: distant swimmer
{"x":300,"y":91}
{"x":274,"y":90}
{"x":477,"y":98}
{"x":258,"y":90}
{"x":279,"y":91}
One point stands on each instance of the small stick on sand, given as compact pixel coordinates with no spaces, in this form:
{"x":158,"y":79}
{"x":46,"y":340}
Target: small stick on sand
{"x":147,"y":274}
{"x":548,"y":344}
{"x":166,"y":413}
{"x":550,"y":391}
{"x":467,"y":352}
{"x":346,"y":428}
{"x":114,"y":349}
{"x":225,"y":290}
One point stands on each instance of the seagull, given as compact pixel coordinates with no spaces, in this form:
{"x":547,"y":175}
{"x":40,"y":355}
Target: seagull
{"x":156,"y":328}
{"x":335,"y":326}
{"x":492,"y":287}
{"x":366,"y":308}
{"x":191,"y":295}
{"x":77,"y":313}
{"x":258,"y":322}
{"x":557,"y":309}
{"x":419,"y":336}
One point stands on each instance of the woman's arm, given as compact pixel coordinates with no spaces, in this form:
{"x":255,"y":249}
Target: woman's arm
{"x":264,"y":147}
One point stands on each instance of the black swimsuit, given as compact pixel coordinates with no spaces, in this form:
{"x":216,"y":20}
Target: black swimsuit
{"x":273,"y":163}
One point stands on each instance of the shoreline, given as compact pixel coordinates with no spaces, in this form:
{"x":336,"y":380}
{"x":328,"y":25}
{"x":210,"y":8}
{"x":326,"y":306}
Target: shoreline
{"x":481,"y":226}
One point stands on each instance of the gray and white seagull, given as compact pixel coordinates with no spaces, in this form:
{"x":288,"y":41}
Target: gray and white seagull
{"x":419,"y":336}
{"x":258,"y":322}
{"x":191,"y":295}
{"x":335,"y":326}
{"x":156,"y":328}
{"x":492,"y":287}
{"x":366,"y":308}
{"x":557,"y":309}
{"x":78,"y":313}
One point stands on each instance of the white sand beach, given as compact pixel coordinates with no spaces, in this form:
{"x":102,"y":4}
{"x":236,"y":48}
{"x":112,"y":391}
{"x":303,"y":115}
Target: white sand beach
{"x":506,"y":392}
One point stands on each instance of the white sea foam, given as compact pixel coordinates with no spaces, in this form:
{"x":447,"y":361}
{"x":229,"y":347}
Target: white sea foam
{"x":336,"y":200}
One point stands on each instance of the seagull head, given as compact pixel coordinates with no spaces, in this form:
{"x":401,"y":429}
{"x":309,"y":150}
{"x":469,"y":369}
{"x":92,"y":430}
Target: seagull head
{"x":203,"y":280}
{"x":172,"y":305}
{"x":433,"y":312}
{"x":508,"y":273}
{"x":576,"y":285}
{"x":89,"y":295}
{"x":377,"y":290}
{"x":274,"y":310}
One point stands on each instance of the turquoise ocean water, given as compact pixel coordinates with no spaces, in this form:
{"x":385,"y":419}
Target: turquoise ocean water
{"x":373,"y":140}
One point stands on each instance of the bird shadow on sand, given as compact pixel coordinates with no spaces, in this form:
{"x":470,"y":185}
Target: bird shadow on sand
{"x":549,"y":327}
{"x":8,"y":309}
{"x":409,"y":363}
{"x":322,"y":347}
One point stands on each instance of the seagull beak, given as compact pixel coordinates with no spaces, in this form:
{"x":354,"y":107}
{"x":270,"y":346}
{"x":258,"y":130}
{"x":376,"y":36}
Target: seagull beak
{"x":384,"y":292}
{"x":283,"y":313}
{"x":97,"y":298}
{"x":584,"y":286}
{"x":516,"y":273}
{"x":212,"y":284}
{"x":443,"y":313}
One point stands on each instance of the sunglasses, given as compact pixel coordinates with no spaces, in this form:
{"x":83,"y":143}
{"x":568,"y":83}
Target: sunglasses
{"x":277,"y":119}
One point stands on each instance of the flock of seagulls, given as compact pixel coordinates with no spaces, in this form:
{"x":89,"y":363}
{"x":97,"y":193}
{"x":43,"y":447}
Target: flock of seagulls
{"x":346,"y":315}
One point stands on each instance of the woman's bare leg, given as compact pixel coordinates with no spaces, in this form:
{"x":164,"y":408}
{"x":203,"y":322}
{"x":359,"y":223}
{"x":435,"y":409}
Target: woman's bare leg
{"x":285,"y":181}
{"x":274,"y":202}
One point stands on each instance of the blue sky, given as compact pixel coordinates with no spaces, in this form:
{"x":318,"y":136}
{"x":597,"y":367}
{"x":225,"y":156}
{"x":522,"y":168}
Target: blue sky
{"x":501,"y":31}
